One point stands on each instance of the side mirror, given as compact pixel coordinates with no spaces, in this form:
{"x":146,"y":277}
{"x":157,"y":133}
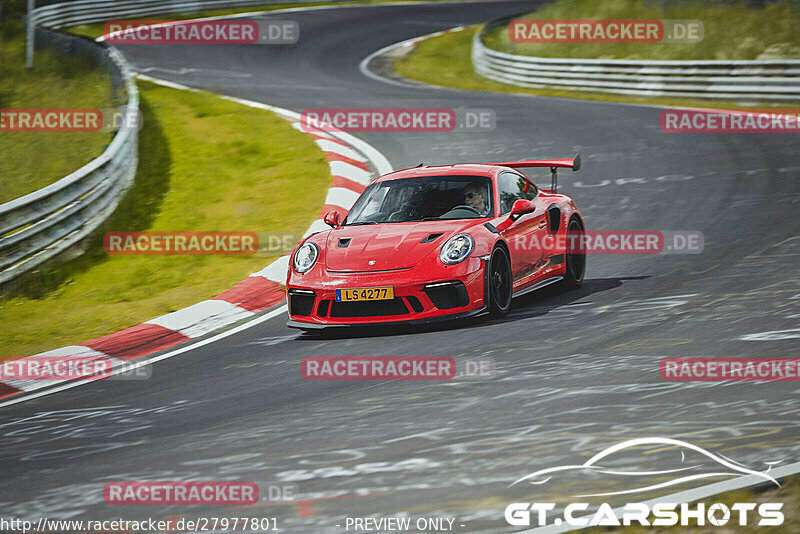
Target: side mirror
{"x":332,"y":218}
{"x":520,"y":207}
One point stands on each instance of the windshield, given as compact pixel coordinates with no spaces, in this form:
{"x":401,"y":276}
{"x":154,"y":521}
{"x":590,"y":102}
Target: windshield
{"x":427,"y":198}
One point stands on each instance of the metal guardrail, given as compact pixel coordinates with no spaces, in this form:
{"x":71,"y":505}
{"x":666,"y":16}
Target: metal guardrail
{"x":733,"y":79}
{"x":42,"y":224}
{"x":88,"y":11}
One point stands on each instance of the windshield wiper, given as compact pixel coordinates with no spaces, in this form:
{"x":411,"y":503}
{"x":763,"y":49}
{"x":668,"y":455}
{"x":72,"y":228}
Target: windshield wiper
{"x":360,"y":223}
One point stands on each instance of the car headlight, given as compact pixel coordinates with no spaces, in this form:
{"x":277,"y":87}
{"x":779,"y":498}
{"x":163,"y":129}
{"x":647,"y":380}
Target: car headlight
{"x":305,"y":257}
{"x":457,"y":249}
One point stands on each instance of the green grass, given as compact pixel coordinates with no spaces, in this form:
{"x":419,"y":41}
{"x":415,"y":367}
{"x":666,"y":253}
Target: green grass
{"x":789,"y":494}
{"x":731,"y":30}
{"x":56,"y":81}
{"x":445,"y":61}
{"x":205,"y":164}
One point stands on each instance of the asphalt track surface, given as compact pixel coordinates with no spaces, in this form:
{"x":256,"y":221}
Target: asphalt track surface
{"x":575,"y":372}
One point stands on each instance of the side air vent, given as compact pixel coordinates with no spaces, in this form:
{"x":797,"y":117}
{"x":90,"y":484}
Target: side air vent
{"x":432,"y":237}
{"x":344,"y":242}
{"x":554,"y":218}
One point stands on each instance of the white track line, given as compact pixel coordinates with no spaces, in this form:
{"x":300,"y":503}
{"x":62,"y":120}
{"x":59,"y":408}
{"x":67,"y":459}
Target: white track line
{"x":363,"y":65}
{"x":141,"y":362}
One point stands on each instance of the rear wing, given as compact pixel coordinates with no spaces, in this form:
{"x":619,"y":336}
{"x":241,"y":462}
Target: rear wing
{"x":554,"y":164}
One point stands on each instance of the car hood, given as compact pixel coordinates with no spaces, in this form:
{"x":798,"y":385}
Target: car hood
{"x":382,"y":247}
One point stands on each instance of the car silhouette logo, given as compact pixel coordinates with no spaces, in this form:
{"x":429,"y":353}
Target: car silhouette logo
{"x":372,"y":262}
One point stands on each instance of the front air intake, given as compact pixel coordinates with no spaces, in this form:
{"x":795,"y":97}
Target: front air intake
{"x":369,"y":308}
{"x":447,"y":295}
{"x":301,"y":301}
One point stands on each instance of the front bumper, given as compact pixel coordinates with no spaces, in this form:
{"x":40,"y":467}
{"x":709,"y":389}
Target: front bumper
{"x":413,"y":322}
{"x":422,"y":295}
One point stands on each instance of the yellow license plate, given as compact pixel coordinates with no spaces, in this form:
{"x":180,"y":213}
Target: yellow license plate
{"x":364,"y":293}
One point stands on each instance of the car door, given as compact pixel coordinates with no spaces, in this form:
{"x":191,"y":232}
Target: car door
{"x":524,"y":236}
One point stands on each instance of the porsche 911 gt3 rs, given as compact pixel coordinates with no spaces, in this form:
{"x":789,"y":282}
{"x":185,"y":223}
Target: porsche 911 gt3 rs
{"x":434,"y":243}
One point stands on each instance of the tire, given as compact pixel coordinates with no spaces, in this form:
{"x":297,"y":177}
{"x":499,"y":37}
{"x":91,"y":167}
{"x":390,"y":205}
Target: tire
{"x":576,"y":262}
{"x":499,"y":283}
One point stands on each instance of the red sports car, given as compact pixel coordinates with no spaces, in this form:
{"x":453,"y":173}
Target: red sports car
{"x":435,"y":243}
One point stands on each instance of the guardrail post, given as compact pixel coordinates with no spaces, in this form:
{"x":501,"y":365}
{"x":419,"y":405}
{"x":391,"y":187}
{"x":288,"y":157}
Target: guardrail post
{"x":29,"y":43}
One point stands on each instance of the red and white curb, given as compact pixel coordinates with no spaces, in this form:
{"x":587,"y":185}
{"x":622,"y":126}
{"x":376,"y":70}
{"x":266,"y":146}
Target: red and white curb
{"x":354,"y":164}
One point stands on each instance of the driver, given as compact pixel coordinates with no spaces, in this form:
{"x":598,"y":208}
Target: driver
{"x":475,"y":197}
